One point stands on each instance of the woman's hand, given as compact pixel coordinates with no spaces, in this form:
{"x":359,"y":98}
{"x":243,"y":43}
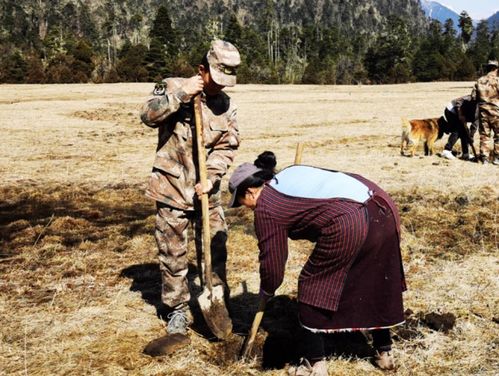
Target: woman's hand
{"x":264,"y":296}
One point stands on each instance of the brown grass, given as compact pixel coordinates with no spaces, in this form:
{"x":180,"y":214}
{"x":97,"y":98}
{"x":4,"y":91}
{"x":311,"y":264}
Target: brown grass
{"x":79,"y":276}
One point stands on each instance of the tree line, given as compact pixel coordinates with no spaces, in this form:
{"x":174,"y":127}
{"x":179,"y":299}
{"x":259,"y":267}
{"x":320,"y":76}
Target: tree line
{"x":270,"y":52}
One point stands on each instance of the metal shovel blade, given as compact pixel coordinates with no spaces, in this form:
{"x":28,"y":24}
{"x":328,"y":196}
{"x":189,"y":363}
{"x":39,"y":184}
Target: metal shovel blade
{"x":215,"y":313}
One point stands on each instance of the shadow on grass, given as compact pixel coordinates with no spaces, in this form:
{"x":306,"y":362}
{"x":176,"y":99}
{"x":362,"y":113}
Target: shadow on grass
{"x":283,"y":343}
{"x":73,"y":214}
{"x":146,"y":278}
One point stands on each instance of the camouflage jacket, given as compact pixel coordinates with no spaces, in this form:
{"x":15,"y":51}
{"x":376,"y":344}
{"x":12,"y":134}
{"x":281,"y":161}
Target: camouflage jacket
{"x":174,"y":172}
{"x":486,"y":91}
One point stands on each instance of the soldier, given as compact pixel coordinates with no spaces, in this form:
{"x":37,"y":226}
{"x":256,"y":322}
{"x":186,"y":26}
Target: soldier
{"x":458,"y":113}
{"x":173,"y":182}
{"x":486,"y":92}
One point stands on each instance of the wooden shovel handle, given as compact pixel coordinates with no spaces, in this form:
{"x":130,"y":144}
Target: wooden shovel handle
{"x":203,"y":178}
{"x":248,"y":344}
{"x":299,"y":153}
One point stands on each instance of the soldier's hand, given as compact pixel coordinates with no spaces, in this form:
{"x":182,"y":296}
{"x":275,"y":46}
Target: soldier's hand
{"x":200,"y":190}
{"x":193,"y":85}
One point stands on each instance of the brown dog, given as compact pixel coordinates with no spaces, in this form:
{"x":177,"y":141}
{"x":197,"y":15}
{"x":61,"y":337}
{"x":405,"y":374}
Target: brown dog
{"x":428,"y":130}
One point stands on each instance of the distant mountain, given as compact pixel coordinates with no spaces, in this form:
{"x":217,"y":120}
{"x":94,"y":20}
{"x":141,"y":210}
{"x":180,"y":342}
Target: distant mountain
{"x":494,"y":21}
{"x":437,"y":11}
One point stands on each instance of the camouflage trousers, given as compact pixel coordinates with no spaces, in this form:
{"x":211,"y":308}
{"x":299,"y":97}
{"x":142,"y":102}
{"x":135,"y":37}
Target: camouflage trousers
{"x":489,"y":122}
{"x":171,"y":237}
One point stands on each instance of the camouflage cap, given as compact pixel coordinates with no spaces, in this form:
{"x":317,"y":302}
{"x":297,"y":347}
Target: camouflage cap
{"x":241,"y":173}
{"x":223,"y":58}
{"x":492,"y":63}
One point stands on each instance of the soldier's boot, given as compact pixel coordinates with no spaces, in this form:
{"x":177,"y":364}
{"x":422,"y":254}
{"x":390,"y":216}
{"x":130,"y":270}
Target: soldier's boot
{"x":484,"y":159}
{"x":179,"y":319}
{"x":178,"y":322}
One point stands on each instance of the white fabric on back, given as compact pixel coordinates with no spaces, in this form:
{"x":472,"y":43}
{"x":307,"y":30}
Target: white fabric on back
{"x":313,"y":182}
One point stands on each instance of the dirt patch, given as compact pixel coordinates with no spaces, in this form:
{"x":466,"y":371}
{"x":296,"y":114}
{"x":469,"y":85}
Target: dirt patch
{"x":117,"y":114}
{"x":415,"y":322}
{"x":449,"y":226}
{"x":439,"y":321}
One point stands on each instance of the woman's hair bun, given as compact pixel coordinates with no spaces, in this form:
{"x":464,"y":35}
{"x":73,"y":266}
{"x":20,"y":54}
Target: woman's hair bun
{"x":266,"y":161}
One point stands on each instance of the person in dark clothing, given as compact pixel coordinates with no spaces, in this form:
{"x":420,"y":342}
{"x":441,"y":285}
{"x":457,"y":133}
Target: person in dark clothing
{"x":354,"y":278}
{"x":458,"y":113}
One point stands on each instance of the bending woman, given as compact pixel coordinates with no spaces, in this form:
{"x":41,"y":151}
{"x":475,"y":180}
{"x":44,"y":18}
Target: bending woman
{"x":354,"y":278}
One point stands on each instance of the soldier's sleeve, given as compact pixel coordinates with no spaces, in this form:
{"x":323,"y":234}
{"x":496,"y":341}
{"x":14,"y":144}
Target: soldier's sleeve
{"x":495,"y":96}
{"x":164,"y":102}
{"x":473,"y":92}
{"x":223,"y":153}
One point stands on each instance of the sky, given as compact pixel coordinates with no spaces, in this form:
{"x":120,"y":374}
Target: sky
{"x":477,"y":9}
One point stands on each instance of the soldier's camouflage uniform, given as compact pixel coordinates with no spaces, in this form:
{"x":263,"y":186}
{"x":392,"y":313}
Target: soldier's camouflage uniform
{"x":174,"y":175}
{"x":486,"y":92}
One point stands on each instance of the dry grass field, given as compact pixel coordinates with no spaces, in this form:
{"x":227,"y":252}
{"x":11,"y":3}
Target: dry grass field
{"x":79,"y":279}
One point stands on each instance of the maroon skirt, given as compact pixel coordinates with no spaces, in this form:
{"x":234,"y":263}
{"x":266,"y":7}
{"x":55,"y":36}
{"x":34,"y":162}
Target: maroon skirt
{"x":372,"y":293}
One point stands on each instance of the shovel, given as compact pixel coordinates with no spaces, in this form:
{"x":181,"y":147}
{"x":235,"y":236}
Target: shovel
{"x":211,"y":301}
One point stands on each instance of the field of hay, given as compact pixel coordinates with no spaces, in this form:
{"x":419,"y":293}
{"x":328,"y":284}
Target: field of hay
{"x":79,"y":279}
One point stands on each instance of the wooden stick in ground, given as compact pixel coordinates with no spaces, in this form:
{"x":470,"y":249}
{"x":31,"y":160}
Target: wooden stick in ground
{"x":248,"y":343}
{"x":299,"y":153}
{"x":212,"y":300}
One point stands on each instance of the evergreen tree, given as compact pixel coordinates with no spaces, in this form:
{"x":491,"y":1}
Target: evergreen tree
{"x":131,"y":65}
{"x":163,"y":31}
{"x":88,"y":28}
{"x":254,"y":66}
{"x":15,"y":22}
{"x":163,"y":49}
{"x":388,"y":60}
{"x":182,"y":67}
{"x":69,"y":19}
{"x":13,"y":68}
{"x":35,"y":73}
{"x":480,"y":47}
{"x":451,"y":50}
{"x":314,"y":71}
{"x":59,"y":69}
{"x":449,"y":30}
{"x":83,"y":65}
{"x":55,"y":43}
{"x":156,"y":61}
{"x":465,"y":70}
{"x":494,"y":45}
{"x":466,"y":26}
{"x":294,"y":62}
{"x":428,"y":63}
{"x":233,"y":31}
